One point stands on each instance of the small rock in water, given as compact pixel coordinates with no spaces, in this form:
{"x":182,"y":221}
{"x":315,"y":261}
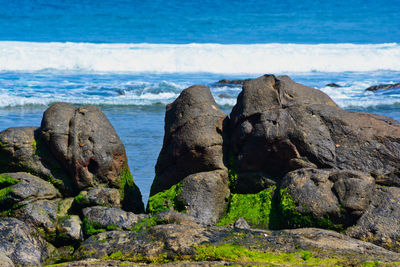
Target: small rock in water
{"x":383,"y":87}
{"x":241,"y":223}
{"x":225,"y":95}
{"x":333,"y":85}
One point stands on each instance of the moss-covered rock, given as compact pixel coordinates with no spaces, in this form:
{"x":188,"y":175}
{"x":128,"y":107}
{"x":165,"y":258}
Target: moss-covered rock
{"x":254,"y":208}
{"x":166,"y":200}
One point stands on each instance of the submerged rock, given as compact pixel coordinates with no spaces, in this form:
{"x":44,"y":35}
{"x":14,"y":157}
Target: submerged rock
{"x":333,"y":85}
{"x":383,"y":87}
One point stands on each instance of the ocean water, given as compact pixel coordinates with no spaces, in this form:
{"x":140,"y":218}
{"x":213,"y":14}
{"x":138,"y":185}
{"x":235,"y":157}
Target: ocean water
{"x":133,"y":57}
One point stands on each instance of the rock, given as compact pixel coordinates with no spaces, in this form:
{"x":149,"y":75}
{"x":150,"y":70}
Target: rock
{"x":64,"y":206}
{"x":21,"y":243}
{"x":86,"y":144}
{"x":253,"y":182}
{"x":172,"y":242}
{"x":41,"y":214}
{"x":5,"y":261}
{"x":171,"y":216}
{"x":240,"y":82}
{"x":28,"y":188}
{"x":380,"y":224}
{"x":241,"y":224}
{"x":128,"y":243}
{"x":193,"y":138}
{"x":103,"y":217}
{"x":383,"y":87}
{"x":278,"y":125}
{"x":100,"y":196}
{"x":205,"y":196}
{"x":21,"y":149}
{"x":202,"y":195}
{"x":332,"y":85}
{"x":179,"y":239}
{"x":69,"y":228}
{"x":323,"y":198}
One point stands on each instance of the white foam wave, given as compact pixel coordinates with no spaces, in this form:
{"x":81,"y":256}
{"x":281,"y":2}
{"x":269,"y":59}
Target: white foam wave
{"x":191,"y":58}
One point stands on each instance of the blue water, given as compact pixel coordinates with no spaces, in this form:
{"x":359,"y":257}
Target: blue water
{"x":133,"y":57}
{"x":207,"y":21}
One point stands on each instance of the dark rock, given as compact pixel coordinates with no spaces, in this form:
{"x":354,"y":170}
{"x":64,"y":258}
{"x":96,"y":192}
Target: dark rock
{"x":383,"y":87}
{"x":29,"y":188}
{"x":86,"y":144}
{"x":380,"y":224}
{"x":171,"y":216}
{"x":100,"y":196}
{"x":328,"y":196}
{"x":193,"y":138}
{"x":241,"y":224}
{"x":240,"y":82}
{"x":113,"y":217}
{"x":21,"y":149}
{"x":41,"y":214}
{"x":205,"y":196}
{"x":225,"y":95}
{"x":22,"y":244}
{"x":253,"y":182}
{"x":332,"y":85}
{"x":128,"y":243}
{"x":278,"y":125}
{"x":69,"y":228}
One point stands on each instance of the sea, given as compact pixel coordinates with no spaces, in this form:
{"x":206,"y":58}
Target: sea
{"x":131,"y":58}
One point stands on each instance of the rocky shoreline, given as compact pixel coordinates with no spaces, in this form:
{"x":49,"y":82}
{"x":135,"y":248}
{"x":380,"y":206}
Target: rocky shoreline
{"x":287,"y":178}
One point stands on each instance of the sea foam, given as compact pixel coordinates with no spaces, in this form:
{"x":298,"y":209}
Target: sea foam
{"x":192,"y":58}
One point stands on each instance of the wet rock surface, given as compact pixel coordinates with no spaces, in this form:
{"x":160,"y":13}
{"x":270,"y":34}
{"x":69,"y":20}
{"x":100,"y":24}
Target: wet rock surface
{"x":383,"y":87}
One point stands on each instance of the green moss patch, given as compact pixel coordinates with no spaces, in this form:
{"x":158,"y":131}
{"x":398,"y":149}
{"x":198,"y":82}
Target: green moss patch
{"x":166,"y":200}
{"x":235,"y":253}
{"x":294,"y":219}
{"x":254,"y":208}
{"x":91,"y":228}
{"x":6,"y":190}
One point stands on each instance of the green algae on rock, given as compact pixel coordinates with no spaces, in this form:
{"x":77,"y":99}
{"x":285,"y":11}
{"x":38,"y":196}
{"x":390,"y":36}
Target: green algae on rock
{"x":166,"y":200}
{"x":254,"y":208}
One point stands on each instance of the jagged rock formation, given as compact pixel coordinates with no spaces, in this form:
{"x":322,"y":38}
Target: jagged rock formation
{"x":288,"y":157}
{"x":296,"y":159}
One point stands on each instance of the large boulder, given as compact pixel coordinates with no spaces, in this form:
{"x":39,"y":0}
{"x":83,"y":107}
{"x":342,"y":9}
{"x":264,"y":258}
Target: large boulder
{"x":325,"y":197}
{"x":193,"y":140}
{"x":22,"y":150}
{"x":22,"y":244}
{"x":278,"y":125}
{"x":86,"y":144}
